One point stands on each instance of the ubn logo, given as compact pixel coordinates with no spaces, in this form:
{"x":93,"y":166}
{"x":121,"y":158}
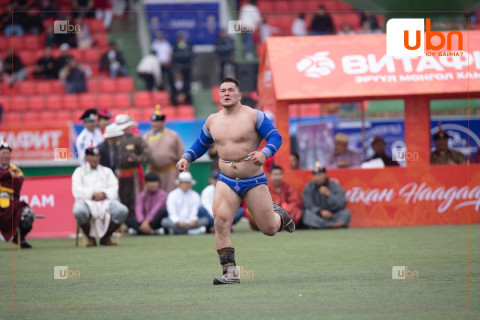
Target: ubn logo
{"x":402,"y":155}
{"x":407,"y":37}
{"x":63,"y":154}
{"x":64,"y":26}
{"x":244,"y":273}
{"x":236,"y":26}
{"x":402,"y":273}
{"x":64,"y":272}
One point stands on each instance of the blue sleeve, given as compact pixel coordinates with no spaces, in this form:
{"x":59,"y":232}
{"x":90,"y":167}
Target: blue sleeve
{"x":267,"y":131}
{"x":200,"y":146}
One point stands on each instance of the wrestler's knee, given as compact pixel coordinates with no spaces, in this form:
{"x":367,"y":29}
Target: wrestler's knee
{"x":221,"y":221}
{"x":269,"y":230}
{"x":81,"y":212}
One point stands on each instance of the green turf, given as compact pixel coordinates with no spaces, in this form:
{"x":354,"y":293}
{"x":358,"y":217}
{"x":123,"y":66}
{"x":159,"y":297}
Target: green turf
{"x":339,"y":274}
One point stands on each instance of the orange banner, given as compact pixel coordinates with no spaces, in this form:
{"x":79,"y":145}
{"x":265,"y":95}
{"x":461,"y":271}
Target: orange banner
{"x":38,"y":142}
{"x":348,"y":67}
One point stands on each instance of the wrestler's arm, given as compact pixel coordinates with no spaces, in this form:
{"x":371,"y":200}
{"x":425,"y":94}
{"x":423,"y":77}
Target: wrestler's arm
{"x":198,"y":148}
{"x":267,"y":131}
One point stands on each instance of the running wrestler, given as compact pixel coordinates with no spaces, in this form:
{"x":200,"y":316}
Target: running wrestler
{"x":237,"y":131}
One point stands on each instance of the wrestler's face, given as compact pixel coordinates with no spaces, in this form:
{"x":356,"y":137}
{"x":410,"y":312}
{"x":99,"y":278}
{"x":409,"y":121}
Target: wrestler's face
{"x":229,"y":94}
{"x":441,"y":144}
{"x":158,"y":125}
{"x":93,"y":160}
{"x":91,"y":125}
{"x":5,"y":157}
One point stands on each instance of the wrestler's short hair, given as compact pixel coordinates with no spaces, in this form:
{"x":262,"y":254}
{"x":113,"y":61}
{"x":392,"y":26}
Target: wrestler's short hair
{"x":233,"y":81}
{"x":276,"y":168}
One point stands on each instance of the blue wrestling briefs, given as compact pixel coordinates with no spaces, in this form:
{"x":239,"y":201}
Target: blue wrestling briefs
{"x":241,"y":186}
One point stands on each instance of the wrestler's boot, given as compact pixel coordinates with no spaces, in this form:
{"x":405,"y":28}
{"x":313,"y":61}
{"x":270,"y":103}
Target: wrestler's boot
{"x":230,"y":273}
{"x":106,"y":241}
{"x":287,"y":221}
{"x":86,"y":231}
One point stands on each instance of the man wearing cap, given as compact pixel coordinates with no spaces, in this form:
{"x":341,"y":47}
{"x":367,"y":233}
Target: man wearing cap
{"x":109,"y":148}
{"x":14,"y":213}
{"x":132,"y":153}
{"x":324,"y":202}
{"x":149,"y":207}
{"x":378,"y":147}
{"x":104,"y":117}
{"x":164,"y":149}
{"x":97,"y":209}
{"x":185,"y":212}
{"x":90,"y":135}
{"x":442,"y":154}
{"x":342,"y":157}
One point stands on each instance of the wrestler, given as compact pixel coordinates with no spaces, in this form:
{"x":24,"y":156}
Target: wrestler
{"x":237,"y":131}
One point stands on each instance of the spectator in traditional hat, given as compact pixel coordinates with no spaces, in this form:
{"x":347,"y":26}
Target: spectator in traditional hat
{"x":113,"y":62}
{"x":109,"y":149}
{"x":104,"y":117}
{"x":324,"y":202}
{"x":342,"y":157}
{"x":90,"y":134}
{"x":207,"y":202}
{"x":378,"y":146}
{"x":182,"y":59}
{"x":442,"y":154}
{"x":75,"y":79}
{"x":13,"y":68}
{"x":45,"y":66}
{"x":150,"y":71}
{"x":184,"y":208}
{"x":15,"y":214}
{"x":132,"y":154}
{"x":150,"y":208}
{"x":164,"y":149}
{"x":96,"y":208}
{"x":225,"y":54}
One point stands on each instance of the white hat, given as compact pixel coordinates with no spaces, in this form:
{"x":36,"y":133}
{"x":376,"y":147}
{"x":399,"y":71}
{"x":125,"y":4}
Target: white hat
{"x":124,"y":121}
{"x":64,"y":46}
{"x":185,"y":177}
{"x":112,"y":131}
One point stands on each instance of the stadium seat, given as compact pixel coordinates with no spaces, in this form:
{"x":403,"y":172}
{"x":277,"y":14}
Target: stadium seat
{"x":105,"y":100}
{"x":161,"y":97}
{"x":76,"y":53}
{"x":108,"y":85}
{"x":121,"y":100}
{"x":26,"y":87}
{"x":125,"y":84}
{"x":136,"y":114}
{"x":215,"y":94}
{"x":62,"y":115}
{"x":36,"y":102}
{"x":95,"y":26}
{"x":185,"y":112}
{"x":87,"y":100}
{"x":43,"y":87}
{"x":4,"y":43}
{"x":13,"y":117}
{"x":32,"y":42}
{"x":77,"y":114}
{"x":143,"y":99}
{"x":17,"y":43}
{"x":47,"y":117}
{"x":282,"y":6}
{"x":31,"y":117}
{"x":170,"y":112}
{"x":265,"y":6}
{"x":19,"y":103}
{"x":102,"y":40}
{"x":54,"y":102}
{"x":93,"y":85}
{"x":91,"y":56}
{"x":58,"y":87}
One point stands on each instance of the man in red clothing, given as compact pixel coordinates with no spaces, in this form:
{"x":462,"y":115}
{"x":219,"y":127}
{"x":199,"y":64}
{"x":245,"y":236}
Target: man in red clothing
{"x":285,"y":194}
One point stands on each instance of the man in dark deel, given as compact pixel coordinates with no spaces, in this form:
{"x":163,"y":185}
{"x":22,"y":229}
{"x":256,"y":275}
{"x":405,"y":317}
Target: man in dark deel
{"x":322,"y":23}
{"x":182,"y":61}
{"x":45,"y":66}
{"x":378,"y":146}
{"x":109,"y":156}
{"x":442,"y":154}
{"x":224,"y":52}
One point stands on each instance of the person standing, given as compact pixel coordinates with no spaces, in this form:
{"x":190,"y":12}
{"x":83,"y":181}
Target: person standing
{"x":182,"y":58}
{"x":164,"y":149}
{"x":322,"y":23}
{"x":237,"y":131}
{"x":90,"y":134}
{"x":150,"y":71}
{"x":109,"y":148}
{"x":225,"y":53}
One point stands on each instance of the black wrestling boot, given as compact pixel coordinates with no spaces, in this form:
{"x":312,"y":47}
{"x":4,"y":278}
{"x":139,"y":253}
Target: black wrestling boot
{"x":287,"y":221}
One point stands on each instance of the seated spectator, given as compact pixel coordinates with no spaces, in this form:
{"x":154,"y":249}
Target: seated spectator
{"x":45,"y":66}
{"x":366,"y":28}
{"x":63,"y":61}
{"x":13,"y":68}
{"x":49,"y":36}
{"x":324,"y":203}
{"x":342,"y":157}
{"x":182,"y":59}
{"x":180,"y":87}
{"x":207,"y":201}
{"x":299,"y":26}
{"x":75,"y":78}
{"x":442,"y":154}
{"x":285,"y":194}
{"x":104,"y":117}
{"x":267,"y":31}
{"x":149,"y":208}
{"x":103,"y":11}
{"x":225,"y":54}
{"x":32,"y":21}
{"x":346,"y":30}
{"x":113,"y":62}
{"x":150,"y":71}
{"x":84,"y":38}
{"x":83,"y":8}
{"x":14,"y":213}
{"x":294,"y":161}
{"x":367,"y":16}
{"x":322,"y":23}
{"x":97,"y":209}
{"x":10,"y":26}
{"x":108,"y":149}
{"x":378,"y":146}
{"x":185,"y":213}
{"x":47,"y":9}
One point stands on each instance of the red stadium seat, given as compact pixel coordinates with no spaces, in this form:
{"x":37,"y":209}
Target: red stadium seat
{"x":62,"y":115}
{"x":26,"y":87}
{"x":43,"y":87}
{"x":77,"y":114}
{"x":161,"y":97}
{"x":36,"y":103}
{"x":215,"y":94}
{"x":76,"y":53}
{"x":105,"y":100}
{"x":185,"y":112}
{"x":47,"y":116}
{"x":13,"y":117}
{"x":58,"y":87}
{"x":169,"y":112}
{"x":87,"y":100}
{"x":95,"y":26}
{"x":4,"y":43}
{"x":17,"y":43}
{"x":54,"y":102}
{"x":282,"y":6}
{"x":31,"y":117}
{"x":136,"y":114}
{"x":122,"y":100}
{"x":32,"y":42}
{"x":102,"y":40}
{"x":108,"y":85}
{"x":125,"y":84}
{"x":93,"y":85}
{"x":19,"y":103}
{"x":265,"y":6}
{"x":143,"y":99}
{"x":91,"y":56}
{"x":70,"y":101}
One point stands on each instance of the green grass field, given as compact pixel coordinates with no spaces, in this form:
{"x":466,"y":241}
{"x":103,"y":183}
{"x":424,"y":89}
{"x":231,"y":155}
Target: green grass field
{"x":332,"y":274}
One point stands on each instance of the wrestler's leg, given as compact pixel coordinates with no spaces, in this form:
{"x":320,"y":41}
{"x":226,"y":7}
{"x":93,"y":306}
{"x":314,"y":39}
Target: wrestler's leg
{"x":259,"y":203}
{"x":225,"y":205}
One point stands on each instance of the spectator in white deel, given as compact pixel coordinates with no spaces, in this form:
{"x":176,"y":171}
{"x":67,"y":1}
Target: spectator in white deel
{"x":184,"y":208}
{"x":299,"y":26}
{"x":207,"y":201}
{"x":250,"y":18}
{"x":164,"y":52}
{"x":150,"y":71}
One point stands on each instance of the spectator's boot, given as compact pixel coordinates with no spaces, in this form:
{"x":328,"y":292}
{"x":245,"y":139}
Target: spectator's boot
{"x":86,"y":231}
{"x":287,"y":221}
{"x":106,"y":241}
{"x":230,"y":273}
{"x":23,"y":243}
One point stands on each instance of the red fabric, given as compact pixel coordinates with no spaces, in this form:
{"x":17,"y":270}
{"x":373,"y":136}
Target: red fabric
{"x":14,"y":212}
{"x":289,"y":199}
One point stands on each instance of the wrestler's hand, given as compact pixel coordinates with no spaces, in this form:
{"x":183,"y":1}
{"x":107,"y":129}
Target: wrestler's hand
{"x":182,"y":165}
{"x":258,"y":158}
